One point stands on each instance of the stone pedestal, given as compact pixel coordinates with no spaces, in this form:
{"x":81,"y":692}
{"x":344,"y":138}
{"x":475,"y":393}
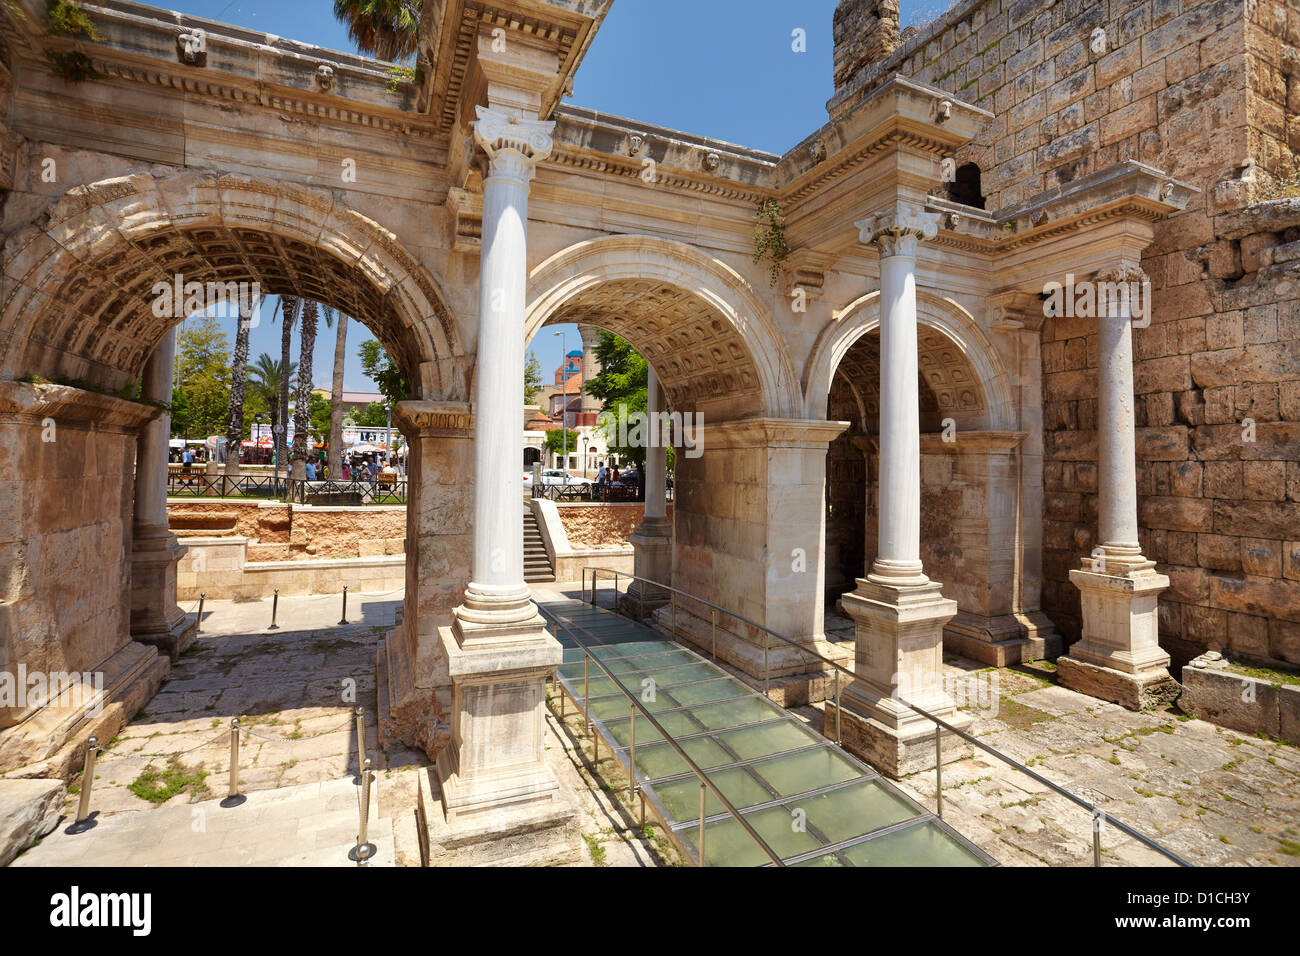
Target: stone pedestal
{"x":898,"y":660}
{"x":493,"y":773}
{"x":1119,"y":657}
{"x":652,"y":544}
{"x":156,"y":618}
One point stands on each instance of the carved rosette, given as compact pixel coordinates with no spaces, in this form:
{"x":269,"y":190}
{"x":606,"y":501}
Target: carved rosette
{"x":896,"y":231}
{"x":514,"y":143}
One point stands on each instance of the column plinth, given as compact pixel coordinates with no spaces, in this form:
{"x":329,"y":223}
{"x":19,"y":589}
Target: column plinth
{"x":1118,"y":657}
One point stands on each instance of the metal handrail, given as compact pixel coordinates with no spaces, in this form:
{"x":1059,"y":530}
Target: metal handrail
{"x":663,"y":733}
{"x":1097,"y":812}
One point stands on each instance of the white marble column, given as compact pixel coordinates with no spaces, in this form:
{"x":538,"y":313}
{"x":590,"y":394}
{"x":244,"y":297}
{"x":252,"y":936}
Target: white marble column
{"x":1118,"y":656}
{"x":656,"y":455}
{"x":514,"y":144}
{"x":156,"y":618}
{"x":651,"y":540}
{"x":898,"y":555}
{"x":493,"y":773}
{"x":898,"y":612}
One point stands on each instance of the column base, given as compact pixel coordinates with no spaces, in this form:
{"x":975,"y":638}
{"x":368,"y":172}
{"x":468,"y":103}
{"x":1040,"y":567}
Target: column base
{"x":1003,"y":641}
{"x":1119,"y":657}
{"x":899,"y":661}
{"x":1134,"y":691}
{"x":653,"y":546}
{"x":493,"y":774}
{"x":414,"y":700}
{"x":894,"y":752}
{"x":156,"y":619}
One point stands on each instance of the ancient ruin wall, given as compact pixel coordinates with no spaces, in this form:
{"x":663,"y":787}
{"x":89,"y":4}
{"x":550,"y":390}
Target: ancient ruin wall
{"x":1204,"y":91}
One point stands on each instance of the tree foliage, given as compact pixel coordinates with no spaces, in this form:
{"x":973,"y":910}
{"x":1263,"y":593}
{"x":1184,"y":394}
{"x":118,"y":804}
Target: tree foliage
{"x":203,"y":378}
{"x":621,"y":388}
{"x":383,"y":371}
{"x":532,"y":378}
{"x":382,"y":28}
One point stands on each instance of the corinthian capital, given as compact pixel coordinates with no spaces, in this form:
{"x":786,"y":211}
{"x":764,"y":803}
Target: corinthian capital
{"x":896,"y":230}
{"x":514,"y":143}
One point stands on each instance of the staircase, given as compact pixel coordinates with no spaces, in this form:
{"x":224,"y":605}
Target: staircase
{"x":537,"y":560}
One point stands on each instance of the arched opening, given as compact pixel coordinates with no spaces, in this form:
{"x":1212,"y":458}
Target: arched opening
{"x":90,"y":295}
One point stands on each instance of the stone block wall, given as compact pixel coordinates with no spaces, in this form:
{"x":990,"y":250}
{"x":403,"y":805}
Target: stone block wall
{"x":1207,"y":92}
{"x":279,"y":532}
{"x":602,"y":525}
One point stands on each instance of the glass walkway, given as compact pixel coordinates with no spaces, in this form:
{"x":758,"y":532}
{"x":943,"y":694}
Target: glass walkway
{"x":811,"y":802}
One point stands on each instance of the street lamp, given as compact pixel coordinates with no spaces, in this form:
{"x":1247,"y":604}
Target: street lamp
{"x":584,"y":456}
{"x":564,"y":402}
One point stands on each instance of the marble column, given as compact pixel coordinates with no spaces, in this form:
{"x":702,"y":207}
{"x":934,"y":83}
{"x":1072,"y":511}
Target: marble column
{"x":155,"y":616}
{"x":591,"y":407}
{"x":898,"y":611}
{"x":1118,"y":657}
{"x":493,"y":773}
{"x":652,"y":539}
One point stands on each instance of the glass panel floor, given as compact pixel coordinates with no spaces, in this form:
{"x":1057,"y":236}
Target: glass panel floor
{"x":813,"y":803}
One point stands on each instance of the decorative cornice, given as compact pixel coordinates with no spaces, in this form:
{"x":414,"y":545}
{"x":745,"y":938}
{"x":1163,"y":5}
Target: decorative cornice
{"x":420,"y":419}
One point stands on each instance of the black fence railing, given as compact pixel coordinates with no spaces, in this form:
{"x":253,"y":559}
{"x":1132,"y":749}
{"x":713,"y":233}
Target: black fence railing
{"x":380,"y":490}
{"x":196,"y":484}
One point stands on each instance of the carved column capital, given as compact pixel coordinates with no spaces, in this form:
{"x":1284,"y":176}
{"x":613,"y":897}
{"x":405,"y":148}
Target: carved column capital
{"x":514,"y":143}
{"x":896,"y":231}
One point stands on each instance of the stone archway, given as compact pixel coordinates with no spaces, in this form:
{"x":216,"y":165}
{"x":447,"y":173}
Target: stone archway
{"x":746,"y":508}
{"x":973,"y":476}
{"x":78,"y":309}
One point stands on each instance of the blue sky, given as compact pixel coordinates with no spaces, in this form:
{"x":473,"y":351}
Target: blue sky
{"x":720,"y":68}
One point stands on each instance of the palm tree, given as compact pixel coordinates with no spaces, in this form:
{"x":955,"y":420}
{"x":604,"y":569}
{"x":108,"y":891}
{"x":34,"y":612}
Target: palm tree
{"x":264,"y":379}
{"x":302,"y":402}
{"x":289,"y":305}
{"x":336,"y":398}
{"x":239,"y":368}
{"x":383,"y":28}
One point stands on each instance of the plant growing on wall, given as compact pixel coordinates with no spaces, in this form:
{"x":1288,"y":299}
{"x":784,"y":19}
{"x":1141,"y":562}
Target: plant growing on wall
{"x":66,"y":19}
{"x":769,"y":238}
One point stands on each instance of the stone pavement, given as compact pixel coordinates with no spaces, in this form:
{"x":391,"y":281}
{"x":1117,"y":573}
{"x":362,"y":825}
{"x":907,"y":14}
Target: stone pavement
{"x":311,"y":824}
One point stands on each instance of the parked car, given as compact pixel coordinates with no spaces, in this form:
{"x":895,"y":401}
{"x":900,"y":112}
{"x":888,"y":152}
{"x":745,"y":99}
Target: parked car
{"x":554,"y":480}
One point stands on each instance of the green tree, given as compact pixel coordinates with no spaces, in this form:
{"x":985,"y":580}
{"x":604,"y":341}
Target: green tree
{"x":319,"y":415}
{"x":383,"y":371}
{"x":621,"y":388}
{"x":555,"y":441}
{"x":264,"y":378}
{"x":532,"y":378}
{"x":203,"y":371}
{"x":374,"y":415}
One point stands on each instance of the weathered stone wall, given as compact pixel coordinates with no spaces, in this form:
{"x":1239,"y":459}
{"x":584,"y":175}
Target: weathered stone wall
{"x":278,"y":532}
{"x":595,"y":526}
{"x":1202,"y":91}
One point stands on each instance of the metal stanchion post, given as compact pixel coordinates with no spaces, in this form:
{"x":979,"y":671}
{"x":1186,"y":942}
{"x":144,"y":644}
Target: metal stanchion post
{"x":83,"y":821}
{"x":233,"y":797}
{"x":361,"y":737}
{"x":344,"y":619}
{"x":198,"y":622}
{"x":364,"y":849}
{"x":938,"y":770}
{"x":1096,"y":838}
{"x":275,"y":607}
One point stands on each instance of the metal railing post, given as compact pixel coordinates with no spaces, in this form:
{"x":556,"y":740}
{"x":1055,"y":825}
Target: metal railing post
{"x":631,"y":762}
{"x":703,"y":793}
{"x":586,"y":687}
{"x":938,"y":770}
{"x":839,"y":736}
{"x":87,"y":780}
{"x":361,"y":737}
{"x":674,"y":600}
{"x":715,"y":633}
{"x":275,"y":607}
{"x":344,"y":618}
{"x":767,"y":667}
{"x":363,"y":850}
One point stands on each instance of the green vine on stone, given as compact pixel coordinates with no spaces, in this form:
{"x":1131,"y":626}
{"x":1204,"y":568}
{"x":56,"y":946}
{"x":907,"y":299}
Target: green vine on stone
{"x":769,"y":238}
{"x":66,"y":19}
{"x":73,"y":66}
{"x":402,"y":73}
